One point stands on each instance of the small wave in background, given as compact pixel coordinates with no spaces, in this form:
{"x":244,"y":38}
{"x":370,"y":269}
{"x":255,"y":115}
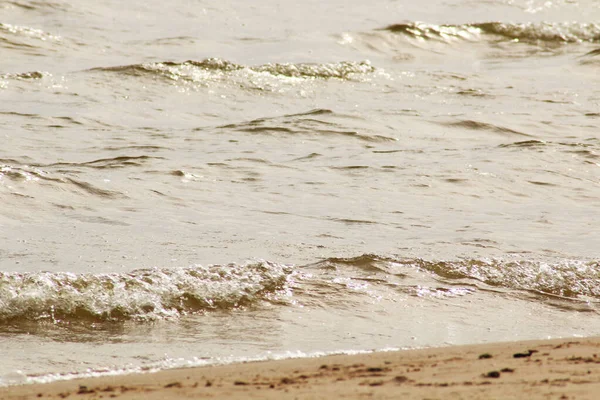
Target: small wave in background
{"x":544,"y":32}
{"x":193,"y":70}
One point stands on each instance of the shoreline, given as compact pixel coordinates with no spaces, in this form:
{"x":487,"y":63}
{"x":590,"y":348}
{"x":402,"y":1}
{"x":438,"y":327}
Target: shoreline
{"x":557,"y":369}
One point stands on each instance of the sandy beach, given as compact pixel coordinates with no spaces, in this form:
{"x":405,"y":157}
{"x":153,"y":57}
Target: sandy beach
{"x":551,"y":369}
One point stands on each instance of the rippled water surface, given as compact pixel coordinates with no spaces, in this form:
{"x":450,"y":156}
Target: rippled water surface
{"x":185,"y":183}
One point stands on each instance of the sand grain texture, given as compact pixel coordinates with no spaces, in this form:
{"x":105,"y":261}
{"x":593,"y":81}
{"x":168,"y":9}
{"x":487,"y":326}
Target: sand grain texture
{"x":553,"y":369}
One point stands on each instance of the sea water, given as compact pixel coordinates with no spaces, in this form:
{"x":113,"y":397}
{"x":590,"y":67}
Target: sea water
{"x":193,"y":182}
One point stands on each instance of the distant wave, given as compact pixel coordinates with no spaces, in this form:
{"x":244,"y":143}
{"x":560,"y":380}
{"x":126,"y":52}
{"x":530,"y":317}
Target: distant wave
{"x":139,"y":295}
{"x":483,"y":126}
{"x":567,"y":32}
{"x":588,"y":148}
{"x":25,"y":75}
{"x":318,"y":122}
{"x":32,"y":173}
{"x":26,"y":31}
{"x":196,"y":70}
{"x":28,"y":40}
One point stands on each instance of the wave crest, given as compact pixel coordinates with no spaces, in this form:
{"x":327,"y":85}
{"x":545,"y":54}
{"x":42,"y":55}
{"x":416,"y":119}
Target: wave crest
{"x":567,"y":32}
{"x":201,"y":70}
{"x":569,"y":279}
{"x":146,"y":294}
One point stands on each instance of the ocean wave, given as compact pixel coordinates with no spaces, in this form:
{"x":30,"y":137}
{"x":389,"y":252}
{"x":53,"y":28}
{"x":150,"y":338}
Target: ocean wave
{"x":142,"y":295}
{"x":5,"y":79}
{"x":109,"y":163}
{"x":590,"y":58}
{"x":566,"y":32}
{"x":318,"y":122}
{"x":11,"y":175}
{"x":26,"y":31}
{"x":25,"y":75}
{"x":588,"y":150}
{"x":28,"y":40}
{"x":211,"y":68}
{"x":20,"y":173}
{"x":421,"y":30}
{"x":154,"y":294}
{"x":567,"y":279}
{"x":484,"y":126}
{"x":39,"y":5}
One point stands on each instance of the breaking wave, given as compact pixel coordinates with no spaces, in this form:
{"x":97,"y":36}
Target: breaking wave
{"x":152,"y":294}
{"x":568,"y":279}
{"x":145,"y":294}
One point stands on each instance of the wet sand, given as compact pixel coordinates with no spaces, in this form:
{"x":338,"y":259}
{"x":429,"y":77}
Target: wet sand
{"x":552,"y":369}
